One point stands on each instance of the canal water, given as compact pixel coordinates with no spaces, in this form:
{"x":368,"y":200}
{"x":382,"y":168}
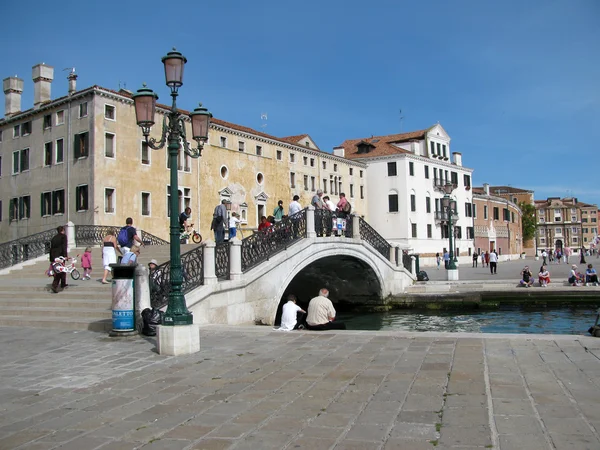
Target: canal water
{"x":506,"y":319}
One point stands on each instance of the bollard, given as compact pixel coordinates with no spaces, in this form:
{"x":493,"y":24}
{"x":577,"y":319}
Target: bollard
{"x":123,"y":300}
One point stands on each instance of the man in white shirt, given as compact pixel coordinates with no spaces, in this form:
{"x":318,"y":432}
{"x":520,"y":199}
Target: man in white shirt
{"x":294,"y":206}
{"x":289,"y":317}
{"x":321,"y":313}
{"x":493,"y":261}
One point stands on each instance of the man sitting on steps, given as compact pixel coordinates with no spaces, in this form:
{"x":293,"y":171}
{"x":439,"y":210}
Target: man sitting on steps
{"x":321,"y":313}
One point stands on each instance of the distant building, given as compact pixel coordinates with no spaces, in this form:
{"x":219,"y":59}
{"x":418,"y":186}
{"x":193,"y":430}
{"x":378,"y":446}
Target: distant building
{"x":82,"y":158}
{"x":405,"y":173}
{"x":498,"y":223}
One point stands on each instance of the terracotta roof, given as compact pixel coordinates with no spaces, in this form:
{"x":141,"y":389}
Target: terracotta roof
{"x":478,"y":190}
{"x":381,"y":145}
{"x":508,"y":190}
{"x":294,"y":139}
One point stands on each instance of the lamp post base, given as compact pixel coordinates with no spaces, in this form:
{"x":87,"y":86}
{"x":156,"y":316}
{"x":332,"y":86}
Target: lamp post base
{"x":179,"y":340}
{"x":452,"y":274}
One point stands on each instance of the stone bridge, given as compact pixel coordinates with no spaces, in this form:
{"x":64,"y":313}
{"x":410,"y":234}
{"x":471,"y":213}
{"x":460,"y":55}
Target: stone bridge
{"x":244,"y":281}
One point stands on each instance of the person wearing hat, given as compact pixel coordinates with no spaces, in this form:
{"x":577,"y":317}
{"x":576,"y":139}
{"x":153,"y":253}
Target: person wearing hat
{"x":526,"y":277}
{"x":575,"y":278}
{"x":155,"y":275}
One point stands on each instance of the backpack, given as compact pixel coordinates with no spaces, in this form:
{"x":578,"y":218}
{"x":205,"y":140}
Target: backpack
{"x":347,"y":208}
{"x":123,"y":237}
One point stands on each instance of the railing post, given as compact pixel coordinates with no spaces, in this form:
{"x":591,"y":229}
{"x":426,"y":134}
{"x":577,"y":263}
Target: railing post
{"x":210,"y":277}
{"x":142,"y":294}
{"x":413,"y":265}
{"x":310,"y":222}
{"x":392,"y":254}
{"x":355,"y":227}
{"x":70,"y":231}
{"x":235,"y":259}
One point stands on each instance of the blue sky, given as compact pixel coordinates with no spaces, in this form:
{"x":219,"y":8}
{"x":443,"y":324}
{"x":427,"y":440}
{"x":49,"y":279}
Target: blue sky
{"x":515,"y":83}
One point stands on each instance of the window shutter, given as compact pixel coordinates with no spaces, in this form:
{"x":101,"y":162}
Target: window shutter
{"x":77,"y":147}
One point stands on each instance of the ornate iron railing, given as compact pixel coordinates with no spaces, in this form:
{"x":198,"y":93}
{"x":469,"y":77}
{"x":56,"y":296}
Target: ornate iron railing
{"x":407,"y":261}
{"x":94,"y":234}
{"x":325,"y":226}
{"x":26,"y":248}
{"x":368,"y":234}
{"x":349,"y":226}
{"x":222,"y":260}
{"x":192,"y":265}
{"x":263,"y":244}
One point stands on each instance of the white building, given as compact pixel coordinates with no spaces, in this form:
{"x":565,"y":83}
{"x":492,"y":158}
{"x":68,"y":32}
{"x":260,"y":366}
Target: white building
{"x":405,"y":173}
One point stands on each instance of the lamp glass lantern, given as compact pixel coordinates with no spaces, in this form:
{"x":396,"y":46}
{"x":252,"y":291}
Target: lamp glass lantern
{"x":200,"y":124}
{"x":145,"y":108}
{"x":174,"y":63}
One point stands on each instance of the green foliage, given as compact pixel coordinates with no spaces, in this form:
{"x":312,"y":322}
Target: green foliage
{"x":528,"y":220}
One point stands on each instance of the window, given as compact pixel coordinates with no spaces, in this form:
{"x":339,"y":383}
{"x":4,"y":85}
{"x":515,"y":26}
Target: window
{"x":506,"y":214}
{"x":393,"y":203}
{"x":305,"y":160}
{"x":81,"y":145}
{"x":573,"y":218}
{"x":109,"y":200}
{"x":470,"y":233}
{"x":392,"y":172}
{"x":109,"y":145}
{"x":0,"y":210}
{"x":361,"y":173}
{"x":81,"y":197}
{"x":110,"y":112}
{"x":145,"y":153}
{"x":558,"y":230}
{"x":444,"y":150}
{"x":583,"y":220}
{"x":350,"y":170}
{"x":324,"y":164}
{"x":58,"y":202}
{"x":47,"y":121}
{"x":351,"y":191}
{"x":292,"y":179}
{"x":312,"y":162}
{"x":542,"y":240}
{"x":46,"y":203}
{"x":324,"y":185}
{"x":184,"y":161}
{"x":474,"y":210}
{"x":458,"y":232}
{"x":313,"y":186}
{"x":292,"y":157}
{"x":331,"y":186}
{"x":223,"y":141}
{"x":258,"y":150}
{"x":413,"y":227}
{"x":411,"y":169}
{"x":512,"y":217}
{"x":467,"y":180}
{"x":48,"y":154}
{"x":496,"y":213}
{"x":432,"y":147}
{"x":20,"y":161}
{"x":593,"y":220}
{"x":485,"y":212}
{"x":335,"y":167}
{"x":306,"y":182}
{"x":426,"y":172}
{"x":16,"y":131}
{"x":260,"y":178}
{"x":60,"y":117}
{"x":13,"y":209}
{"x":279,"y":155}
{"x":0,"y":135}
{"x":439,"y":151}
{"x":83,"y":109}
{"x":60,"y":151}
{"x":307,"y":143}
{"x":145,"y":203}
{"x":428,"y":204}
{"x":362,"y":192}
{"x":429,"y":231}
{"x":574,"y":230}
{"x":0,"y":169}
{"x":413,"y":202}
{"x":26,"y":128}
{"x":241,"y":146}
{"x":468,"y":210}
{"x":24,"y":207}
{"x":454,"y":178}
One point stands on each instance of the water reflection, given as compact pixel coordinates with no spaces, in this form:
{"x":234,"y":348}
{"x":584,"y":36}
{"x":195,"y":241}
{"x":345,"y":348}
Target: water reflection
{"x":503,"y":320}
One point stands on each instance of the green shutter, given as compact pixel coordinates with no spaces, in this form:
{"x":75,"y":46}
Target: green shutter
{"x":76,"y":147}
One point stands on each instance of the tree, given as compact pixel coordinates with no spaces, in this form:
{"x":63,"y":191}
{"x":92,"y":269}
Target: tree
{"x":527,"y":221}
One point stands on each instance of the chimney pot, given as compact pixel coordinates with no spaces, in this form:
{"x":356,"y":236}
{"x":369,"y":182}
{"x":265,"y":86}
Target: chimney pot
{"x":13,"y":88}
{"x":42,"y":75}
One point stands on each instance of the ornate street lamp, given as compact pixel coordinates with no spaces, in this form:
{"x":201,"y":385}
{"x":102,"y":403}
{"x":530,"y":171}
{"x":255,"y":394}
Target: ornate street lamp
{"x":449,"y":207}
{"x":173,"y":133}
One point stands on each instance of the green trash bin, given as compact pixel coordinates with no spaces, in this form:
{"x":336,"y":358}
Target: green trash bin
{"x":123,"y":298}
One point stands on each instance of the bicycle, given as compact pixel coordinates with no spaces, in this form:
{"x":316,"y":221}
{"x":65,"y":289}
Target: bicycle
{"x":193,"y":235}
{"x":60,"y":266}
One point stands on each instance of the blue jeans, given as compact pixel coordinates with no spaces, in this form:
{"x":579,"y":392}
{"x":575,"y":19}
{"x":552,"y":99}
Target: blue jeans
{"x":232,"y":232}
{"x":220,"y":235}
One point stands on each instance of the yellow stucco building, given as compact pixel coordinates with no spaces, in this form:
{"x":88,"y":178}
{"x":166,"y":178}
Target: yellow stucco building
{"x":81,"y":158}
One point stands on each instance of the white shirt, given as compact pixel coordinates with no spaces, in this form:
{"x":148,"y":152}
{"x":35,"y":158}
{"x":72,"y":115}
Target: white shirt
{"x":320,"y":309}
{"x":288,"y":317}
{"x":294,"y":208}
{"x":330,"y":205}
{"x":233,"y":221}
{"x":493,"y":257}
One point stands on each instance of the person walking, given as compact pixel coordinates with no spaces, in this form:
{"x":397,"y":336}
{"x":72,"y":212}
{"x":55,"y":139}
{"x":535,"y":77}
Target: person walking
{"x":493,"y":258}
{"x":487,"y":258}
{"x":219,"y":221}
{"x":109,"y":254}
{"x":544,"y":258}
{"x":446,"y":259}
{"x":475,"y":258}
{"x":58,"y":248}
{"x":438,"y":260}
{"x":86,"y":263}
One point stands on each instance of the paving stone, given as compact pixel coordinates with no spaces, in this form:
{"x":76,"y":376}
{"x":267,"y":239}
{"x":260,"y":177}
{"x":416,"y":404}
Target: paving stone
{"x":167,"y":444}
{"x":427,"y":417}
{"x":407,"y":444}
{"x":406,"y":430}
{"x":418,"y":402}
{"x":322,"y":432}
{"x":332,"y":420}
{"x":513,"y":407}
{"x":20,"y":438}
{"x":348,"y":444}
{"x":372,"y":433}
{"x":529,"y":441}
{"x":311,"y":444}
{"x":85,"y":442}
{"x":465,"y":416}
{"x":213,"y":444}
{"x":188,"y":432}
{"x":459,"y":436}
{"x":575,"y":442}
{"x":462,"y":400}
{"x":520,"y":425}
{"x":567,"y":426}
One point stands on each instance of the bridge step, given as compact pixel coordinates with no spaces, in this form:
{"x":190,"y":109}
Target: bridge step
{"x":57,"y":301}
{"x":49,"y":311}
{"x":56,"y":322}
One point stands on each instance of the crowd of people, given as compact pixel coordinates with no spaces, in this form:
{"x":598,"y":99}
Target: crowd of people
{"x":576,"y":278}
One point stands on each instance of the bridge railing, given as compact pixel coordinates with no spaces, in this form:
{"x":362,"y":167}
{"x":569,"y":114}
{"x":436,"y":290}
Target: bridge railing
{"x":192,"y":267}
{"x":222,"y":264}
{"x":368,"y":234}
{"x":94,"y":234}
{"x":262,"y":245}
{"x":26,"y":248}
{"x":324,"y":223}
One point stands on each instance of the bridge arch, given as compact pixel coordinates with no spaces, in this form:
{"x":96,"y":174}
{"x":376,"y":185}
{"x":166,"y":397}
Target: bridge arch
{"x":353,"y":265}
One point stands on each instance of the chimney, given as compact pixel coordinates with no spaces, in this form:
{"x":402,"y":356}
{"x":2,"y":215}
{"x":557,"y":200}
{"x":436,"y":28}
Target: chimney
{"x":42,"y":75}
{"x":13,"y":88}
{"x":72,"y":82}
{"x":486,"y":188}
{"x":339,"y":151}
{"x":457,"y":159}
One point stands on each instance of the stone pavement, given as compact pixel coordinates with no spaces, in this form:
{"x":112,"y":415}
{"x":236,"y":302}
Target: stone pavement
{"x":255,"y":388}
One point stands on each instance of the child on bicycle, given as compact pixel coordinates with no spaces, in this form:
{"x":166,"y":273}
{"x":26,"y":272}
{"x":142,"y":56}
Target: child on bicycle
{"x":86,"y":263}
